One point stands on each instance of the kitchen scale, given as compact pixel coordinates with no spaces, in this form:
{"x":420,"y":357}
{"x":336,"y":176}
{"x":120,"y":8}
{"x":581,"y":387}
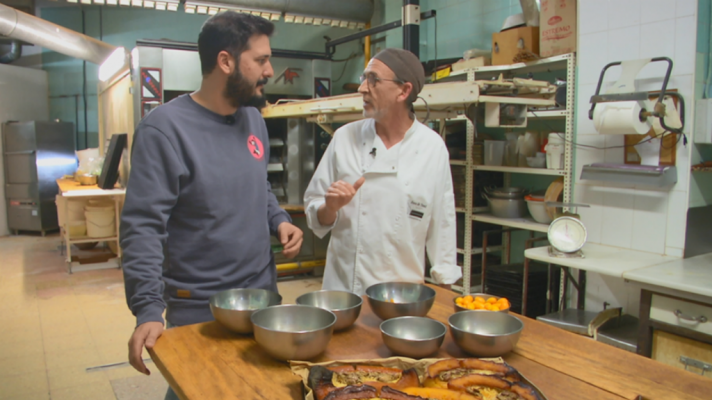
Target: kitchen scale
{"x":567,"y":234}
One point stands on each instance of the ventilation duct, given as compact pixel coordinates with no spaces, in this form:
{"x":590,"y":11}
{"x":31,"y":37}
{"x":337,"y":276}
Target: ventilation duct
{"x":21,"y":26}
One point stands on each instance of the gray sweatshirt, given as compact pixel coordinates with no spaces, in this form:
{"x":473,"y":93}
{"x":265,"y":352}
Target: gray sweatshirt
{"x":198,"y":212}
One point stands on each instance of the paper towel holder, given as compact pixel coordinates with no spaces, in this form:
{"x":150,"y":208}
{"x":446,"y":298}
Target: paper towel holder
{"x":659,"y":110}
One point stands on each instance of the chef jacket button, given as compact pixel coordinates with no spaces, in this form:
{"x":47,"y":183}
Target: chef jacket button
{"x":393,"y":167}
{"x":363,"y":213}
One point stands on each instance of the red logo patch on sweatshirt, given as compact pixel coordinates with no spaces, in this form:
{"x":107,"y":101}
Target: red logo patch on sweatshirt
{"x":256,"y":148}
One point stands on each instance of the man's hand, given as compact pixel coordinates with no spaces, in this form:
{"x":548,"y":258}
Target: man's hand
{"x":340,"y":194}
{"x":144,"y":335}
{"x":291,"y":238}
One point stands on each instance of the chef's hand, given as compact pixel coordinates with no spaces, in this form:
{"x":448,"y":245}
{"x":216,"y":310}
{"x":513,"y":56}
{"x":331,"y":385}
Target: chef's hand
{"x":144,"y":335}
{"x":291,"y":238}
{"x":340,"y":194}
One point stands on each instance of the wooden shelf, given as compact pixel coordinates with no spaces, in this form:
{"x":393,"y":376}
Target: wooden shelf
{"x":520,"y":170}
{"x":522,"y":223}
{"x":458,"y":162}
{"x":86,"y":239}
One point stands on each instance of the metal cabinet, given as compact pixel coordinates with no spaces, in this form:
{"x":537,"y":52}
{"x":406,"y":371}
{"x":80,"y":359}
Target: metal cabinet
{"x":35,"y":155}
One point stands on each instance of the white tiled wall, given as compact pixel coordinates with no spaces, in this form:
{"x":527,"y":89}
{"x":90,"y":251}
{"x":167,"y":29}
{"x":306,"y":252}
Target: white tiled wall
{"x":636,"y":217}
{"x":629,"y":216}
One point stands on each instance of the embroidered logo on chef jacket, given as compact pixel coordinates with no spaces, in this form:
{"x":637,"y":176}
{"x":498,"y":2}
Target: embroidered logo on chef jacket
{"x":416,"y":209}
{"x":255,"y":146}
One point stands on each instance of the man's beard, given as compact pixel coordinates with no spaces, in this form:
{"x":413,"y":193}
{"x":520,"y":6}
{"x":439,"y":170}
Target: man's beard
{"x":242,"y":93}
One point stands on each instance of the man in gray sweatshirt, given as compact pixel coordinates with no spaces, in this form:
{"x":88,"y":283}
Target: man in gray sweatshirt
{"x":199,"y":210}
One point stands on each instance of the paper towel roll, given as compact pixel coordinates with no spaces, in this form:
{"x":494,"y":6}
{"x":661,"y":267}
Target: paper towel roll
{"x":620,"y":118}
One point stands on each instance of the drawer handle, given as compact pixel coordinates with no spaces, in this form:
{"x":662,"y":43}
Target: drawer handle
{"x":701,"y":318}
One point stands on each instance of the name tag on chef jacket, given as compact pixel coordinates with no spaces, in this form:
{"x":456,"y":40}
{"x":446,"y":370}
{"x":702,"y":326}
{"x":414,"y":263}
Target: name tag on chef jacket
{"x":416,"y":209}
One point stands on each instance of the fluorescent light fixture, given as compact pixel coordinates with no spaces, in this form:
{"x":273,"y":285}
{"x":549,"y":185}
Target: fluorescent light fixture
{"x":289,"y":18}
{"x":256,"y":13}
{"x":160,"y":5}
{"x":299,"y":19}
{"x":352,"y":25}
{"x":190,"y":9}
{"x":172,"y":6}
{"x":224,"y":9}
{"x":72,"y":1}
{"x":326,"y":21}
{"x":112,"y":2}
{"x":113,"y":64}
{"x":125,"y":2}
{"x":86,"y":1}
{"x":202,"y":9}
{"x":317,"y":21}
{"x":137,"y":3}
{"x":335,"y":22}
{"x":266,"y":15}
{"x":309,"y":20}
{"x":361,"y":25}
{"x":99,"y":2}
{"x":213,"y":10}
{"x":275,"y":17}
{"x":149,"y":4}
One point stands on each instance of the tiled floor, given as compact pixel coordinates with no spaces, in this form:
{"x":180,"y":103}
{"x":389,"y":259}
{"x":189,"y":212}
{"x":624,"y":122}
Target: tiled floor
{"x":54,"y":325}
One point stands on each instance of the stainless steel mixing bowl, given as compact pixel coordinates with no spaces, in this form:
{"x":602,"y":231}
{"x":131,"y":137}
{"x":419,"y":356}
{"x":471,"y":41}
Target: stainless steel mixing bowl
{"x":400,"y":299}
{"x":414,"y":337}
{"x":293,"y":331}
{"x":233,"y":308}
{"x":485,"y":333}
{"x":345,"y":305}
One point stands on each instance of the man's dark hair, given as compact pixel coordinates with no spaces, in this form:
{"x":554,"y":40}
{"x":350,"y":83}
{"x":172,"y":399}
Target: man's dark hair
{"x":228,"y":31}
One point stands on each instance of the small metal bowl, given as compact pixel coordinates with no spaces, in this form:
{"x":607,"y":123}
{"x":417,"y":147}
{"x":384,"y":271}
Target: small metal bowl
{"x":400,"y":299}
{"x":233,"y":308}
{"x":345,"y":305}
{"x":484,"y":333}
{"x":293,"y":331}
{"x":485,"y":296}
{"x":414,"y":337}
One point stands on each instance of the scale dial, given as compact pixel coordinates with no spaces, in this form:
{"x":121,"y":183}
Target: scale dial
{"x":567,"y":234}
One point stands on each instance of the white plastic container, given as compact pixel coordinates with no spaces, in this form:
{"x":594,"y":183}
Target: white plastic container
{"x":101,"y":223}
{"x":494,"y":152}
{"x":555,"y":151}
{"x":76,"y":229}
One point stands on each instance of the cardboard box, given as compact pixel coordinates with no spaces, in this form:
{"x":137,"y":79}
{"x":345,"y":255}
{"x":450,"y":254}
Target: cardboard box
{"x":506,"y":47}
{"x":557,"y":23}
{"x":471,"y":63}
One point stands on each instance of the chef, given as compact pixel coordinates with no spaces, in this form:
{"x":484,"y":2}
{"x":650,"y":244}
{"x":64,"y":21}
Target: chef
{"x":383,"y":187}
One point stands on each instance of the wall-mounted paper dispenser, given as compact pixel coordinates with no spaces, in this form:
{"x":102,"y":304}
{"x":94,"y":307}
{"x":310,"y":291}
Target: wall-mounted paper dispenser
{"x":625,"y":111}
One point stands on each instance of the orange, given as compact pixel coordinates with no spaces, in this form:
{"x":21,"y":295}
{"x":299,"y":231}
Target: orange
{"x":480,"y":299}
{"x":495,"y":308}
{"x":488,"y":306}
{"x":471,"y":306}
{"x":479,"y":306}
{"x":469,"y":299}
{"x":492,"y":300}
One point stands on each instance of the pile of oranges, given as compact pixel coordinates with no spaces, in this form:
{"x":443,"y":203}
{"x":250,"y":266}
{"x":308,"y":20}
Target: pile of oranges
{"x":479,"y":303}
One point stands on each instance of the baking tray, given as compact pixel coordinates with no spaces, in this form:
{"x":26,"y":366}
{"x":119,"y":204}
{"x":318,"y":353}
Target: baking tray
{"x":301,"y":369}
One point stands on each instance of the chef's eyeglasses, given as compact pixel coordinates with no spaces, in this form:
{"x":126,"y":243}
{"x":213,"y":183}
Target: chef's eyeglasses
{"x":373,"y":79}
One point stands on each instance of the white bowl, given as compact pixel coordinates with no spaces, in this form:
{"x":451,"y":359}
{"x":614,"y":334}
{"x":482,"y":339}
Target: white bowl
{"x":536,"y":162}
{"x":538,"y":211}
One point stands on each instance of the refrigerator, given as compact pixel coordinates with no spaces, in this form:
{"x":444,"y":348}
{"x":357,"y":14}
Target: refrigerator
{"x":35,"y":155}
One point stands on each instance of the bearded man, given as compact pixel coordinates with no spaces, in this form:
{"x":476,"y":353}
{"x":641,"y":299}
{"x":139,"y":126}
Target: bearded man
{"x":199,"y":210}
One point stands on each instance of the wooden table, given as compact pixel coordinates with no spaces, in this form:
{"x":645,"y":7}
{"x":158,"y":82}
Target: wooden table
{"x":206,"y":361}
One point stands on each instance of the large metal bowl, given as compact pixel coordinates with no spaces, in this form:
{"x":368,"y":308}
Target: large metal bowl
{"x":233,"y":308}
{"x":400,"y":299}
{"x":345,"y":305}
{"x":293,"y":331}
{"x":414,"y":337}
{"x":484,"y":333}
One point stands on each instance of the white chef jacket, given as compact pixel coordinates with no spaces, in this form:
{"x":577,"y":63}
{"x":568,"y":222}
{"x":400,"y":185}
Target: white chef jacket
{"x":405,"y":206}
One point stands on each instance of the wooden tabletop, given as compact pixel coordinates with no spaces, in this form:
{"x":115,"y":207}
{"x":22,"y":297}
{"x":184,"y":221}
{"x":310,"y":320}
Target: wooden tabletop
{"x":206,"y":361}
